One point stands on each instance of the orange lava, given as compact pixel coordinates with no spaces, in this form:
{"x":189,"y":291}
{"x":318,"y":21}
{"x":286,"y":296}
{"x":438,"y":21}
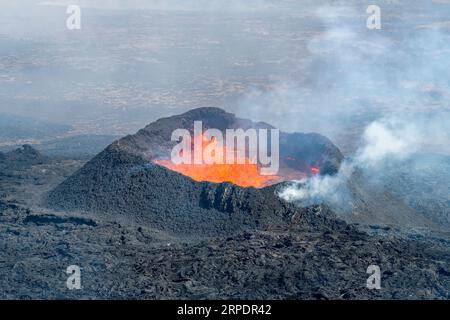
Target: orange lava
{"x":315,"y":170}
{"x":245,"y":175}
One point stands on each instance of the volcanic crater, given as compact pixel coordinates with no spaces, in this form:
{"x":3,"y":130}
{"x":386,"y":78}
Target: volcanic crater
{"x":133,"y":177}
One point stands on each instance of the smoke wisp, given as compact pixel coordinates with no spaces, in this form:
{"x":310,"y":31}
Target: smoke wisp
{"x":386,"y":143}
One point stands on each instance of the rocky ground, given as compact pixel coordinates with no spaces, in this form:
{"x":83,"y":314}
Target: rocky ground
{"x":121,"y":258}
{"x":138,"y":230}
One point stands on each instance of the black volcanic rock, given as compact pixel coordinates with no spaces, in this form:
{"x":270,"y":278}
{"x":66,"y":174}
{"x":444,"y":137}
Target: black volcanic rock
{"x":296,"y":265}
{"x":21,"y":158}
{"x":284,"y":252}
{"x":25,"y":154}
{"x":123,"y":180}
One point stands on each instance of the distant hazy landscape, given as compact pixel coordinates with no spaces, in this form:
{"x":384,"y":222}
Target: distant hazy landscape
{"x":304,"y":66}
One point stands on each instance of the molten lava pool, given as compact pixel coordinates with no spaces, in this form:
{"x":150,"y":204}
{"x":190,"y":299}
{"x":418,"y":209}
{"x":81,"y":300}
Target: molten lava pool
{"x":244,"y":175}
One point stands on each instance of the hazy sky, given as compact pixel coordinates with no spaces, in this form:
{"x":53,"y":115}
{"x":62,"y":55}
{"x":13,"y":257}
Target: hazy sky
{"x":301,"y":65}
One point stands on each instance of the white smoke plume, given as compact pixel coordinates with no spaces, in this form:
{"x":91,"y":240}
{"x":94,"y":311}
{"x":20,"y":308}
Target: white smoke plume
{"x":318,"y":189}
{"x":389,"y":139}
{"x":396,"y":82}
{"x":385,"y":142}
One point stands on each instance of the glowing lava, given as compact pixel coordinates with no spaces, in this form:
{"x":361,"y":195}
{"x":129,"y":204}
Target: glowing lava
{"x":315,"y":170}
{"x":245,"y":174}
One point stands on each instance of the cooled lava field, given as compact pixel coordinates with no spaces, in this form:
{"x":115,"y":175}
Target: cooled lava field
{"x":140,"y":230}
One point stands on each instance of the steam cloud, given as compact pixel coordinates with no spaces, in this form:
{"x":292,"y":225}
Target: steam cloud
{"x":402,"y":85}
{"x":385,"y":141}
